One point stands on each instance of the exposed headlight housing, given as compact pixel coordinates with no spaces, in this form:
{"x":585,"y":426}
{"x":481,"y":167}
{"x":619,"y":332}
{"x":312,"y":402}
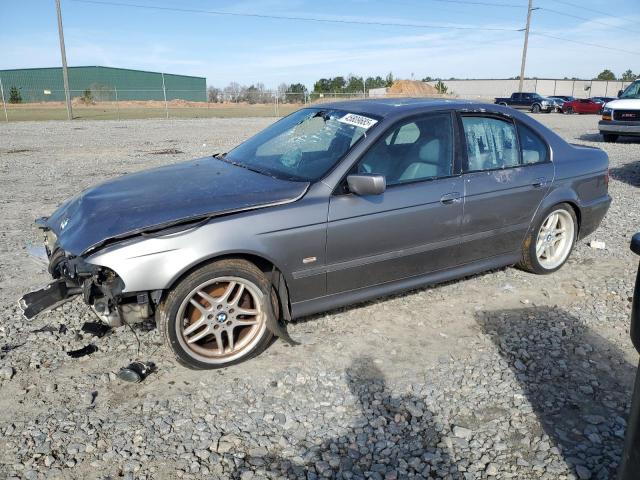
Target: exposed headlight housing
{"x":607,"y":114}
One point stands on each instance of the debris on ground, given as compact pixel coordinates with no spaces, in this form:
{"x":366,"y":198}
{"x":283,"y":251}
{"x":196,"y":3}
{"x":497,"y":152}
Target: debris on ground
{"x":83,"y":352}
{"x":97,"y":329}
{"x":597,"y":244}
{"x":136,"y":372}
{"x":7,"y":373}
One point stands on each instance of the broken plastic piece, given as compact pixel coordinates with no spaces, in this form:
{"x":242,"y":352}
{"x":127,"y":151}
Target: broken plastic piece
{"x":96,"y":328}
{"x":83,"y":352}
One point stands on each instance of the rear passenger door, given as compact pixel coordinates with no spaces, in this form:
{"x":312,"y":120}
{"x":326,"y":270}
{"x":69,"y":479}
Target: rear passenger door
{"x":507,"y":172}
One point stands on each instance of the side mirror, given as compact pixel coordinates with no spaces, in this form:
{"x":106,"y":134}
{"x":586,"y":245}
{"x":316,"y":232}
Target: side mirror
{"x":620,"y":92}
{"x":366,"y":184}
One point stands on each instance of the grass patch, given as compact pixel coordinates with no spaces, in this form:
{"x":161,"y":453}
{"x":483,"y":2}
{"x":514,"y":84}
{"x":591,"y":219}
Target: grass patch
{"x":95,"y":112}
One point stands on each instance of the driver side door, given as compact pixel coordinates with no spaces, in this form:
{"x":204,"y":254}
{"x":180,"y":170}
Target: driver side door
{"x":409,"y":230}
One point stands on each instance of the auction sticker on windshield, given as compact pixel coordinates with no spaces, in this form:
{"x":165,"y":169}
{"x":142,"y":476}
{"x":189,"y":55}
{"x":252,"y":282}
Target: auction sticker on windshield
{"x":358,"y":121}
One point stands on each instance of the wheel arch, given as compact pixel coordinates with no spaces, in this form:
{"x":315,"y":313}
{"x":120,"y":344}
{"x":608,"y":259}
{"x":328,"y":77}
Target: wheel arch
{"x":555,"y":198}
{"x":265,"y":264}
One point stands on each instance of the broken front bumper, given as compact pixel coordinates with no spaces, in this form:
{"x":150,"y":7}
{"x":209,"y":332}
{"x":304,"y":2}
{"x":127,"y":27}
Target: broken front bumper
{"x":100,"y":287}
{"x":46,"y":298}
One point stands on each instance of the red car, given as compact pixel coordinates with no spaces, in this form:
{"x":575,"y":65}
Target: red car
{"x":582,"y":105}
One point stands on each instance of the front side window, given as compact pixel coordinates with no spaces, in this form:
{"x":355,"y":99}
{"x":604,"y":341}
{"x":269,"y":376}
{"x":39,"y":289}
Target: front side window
{"x":415,"y":150}
{"x":303,"y":146}
{"x":491,"y":143}
{"x":534,"y":150}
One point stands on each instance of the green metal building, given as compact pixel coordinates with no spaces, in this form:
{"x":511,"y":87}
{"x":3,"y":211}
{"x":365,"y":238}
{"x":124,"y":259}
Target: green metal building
{"x":102,"y":83}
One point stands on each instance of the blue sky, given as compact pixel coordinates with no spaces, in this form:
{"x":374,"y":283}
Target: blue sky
{"x":271,"y":51}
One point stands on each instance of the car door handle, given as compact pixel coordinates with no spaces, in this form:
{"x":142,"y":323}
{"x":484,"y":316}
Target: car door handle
{"x":449,"y":198}
{"x":539,"y":182}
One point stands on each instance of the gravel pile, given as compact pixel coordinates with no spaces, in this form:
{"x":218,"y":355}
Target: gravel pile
{"x":501,"y":375}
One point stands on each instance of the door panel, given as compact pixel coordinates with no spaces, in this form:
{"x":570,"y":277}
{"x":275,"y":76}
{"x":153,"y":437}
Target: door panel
{"x":498,"y":208}
{"x":404,"y":232}
{"x":411,"y":228}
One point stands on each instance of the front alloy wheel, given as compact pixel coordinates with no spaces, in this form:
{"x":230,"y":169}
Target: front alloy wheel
{"x":217,"y":316}
{"x":547,"y":247}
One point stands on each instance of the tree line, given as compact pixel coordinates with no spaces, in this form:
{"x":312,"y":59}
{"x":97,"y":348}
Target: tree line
{"x":627,"y":76}
{"x":295,"y":92}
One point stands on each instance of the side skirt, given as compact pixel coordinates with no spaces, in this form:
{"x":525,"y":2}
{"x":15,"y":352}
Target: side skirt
{"x":350,"y":297}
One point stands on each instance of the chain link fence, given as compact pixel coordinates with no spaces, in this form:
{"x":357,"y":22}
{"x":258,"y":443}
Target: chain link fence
{"x":110,"y":103}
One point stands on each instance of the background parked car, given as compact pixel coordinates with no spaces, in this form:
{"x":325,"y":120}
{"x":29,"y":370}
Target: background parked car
{"x":528,"y":101}
{"x":582,"y":105}
{"x":603,"y":100}
{"x":557,"y":104}
{"x":564,"y":98}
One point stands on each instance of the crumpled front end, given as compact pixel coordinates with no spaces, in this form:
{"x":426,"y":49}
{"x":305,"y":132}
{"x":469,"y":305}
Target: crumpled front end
{"x":101,"y":288}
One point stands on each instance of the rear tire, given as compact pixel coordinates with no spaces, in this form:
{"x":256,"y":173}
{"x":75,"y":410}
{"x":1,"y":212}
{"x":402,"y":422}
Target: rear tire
{"x":229,"y":324}
{"x":610,"y":137}
{"x":549,"y":244}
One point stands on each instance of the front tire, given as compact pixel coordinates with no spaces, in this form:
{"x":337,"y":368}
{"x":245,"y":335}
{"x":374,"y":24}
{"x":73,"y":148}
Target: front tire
{"x":610,"y":137}
{"x":217,"y":315}
{"x":535,"y":108}
{"x":548,"y":246}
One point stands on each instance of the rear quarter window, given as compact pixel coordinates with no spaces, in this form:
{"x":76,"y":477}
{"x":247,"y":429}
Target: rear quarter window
{"x":534,"y":149}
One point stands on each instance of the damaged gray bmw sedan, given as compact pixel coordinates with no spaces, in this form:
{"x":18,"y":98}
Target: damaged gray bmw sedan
{"x":332,"y":205}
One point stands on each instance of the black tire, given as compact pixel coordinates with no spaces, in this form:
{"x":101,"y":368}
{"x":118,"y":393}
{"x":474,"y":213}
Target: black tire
{"x":569,"y":111}
{"x":167,"y":312}
{"x":529,"y":260}
{"x":610,"y":137}
{"x":504,"y":104}
{"x":535,"y":108}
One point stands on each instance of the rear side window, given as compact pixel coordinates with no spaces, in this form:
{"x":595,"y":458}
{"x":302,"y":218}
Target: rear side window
{"x":491,"y":143}
{"x":534,"y":149}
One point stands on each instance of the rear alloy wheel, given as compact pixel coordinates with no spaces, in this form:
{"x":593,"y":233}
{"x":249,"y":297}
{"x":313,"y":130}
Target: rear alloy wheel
{"x":535,"y":108}
{"x":548,"y":246}
{"x":217,"y":315}
{"x":610,"y":137}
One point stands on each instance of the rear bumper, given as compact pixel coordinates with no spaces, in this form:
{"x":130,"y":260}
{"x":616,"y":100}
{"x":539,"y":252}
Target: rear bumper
{"x":619,"y":127}
{"x":591,"y":216}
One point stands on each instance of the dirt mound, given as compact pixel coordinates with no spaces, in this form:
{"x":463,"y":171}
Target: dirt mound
{"x":411,"y":87}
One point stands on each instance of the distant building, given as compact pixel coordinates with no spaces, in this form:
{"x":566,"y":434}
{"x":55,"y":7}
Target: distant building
{"x":46,"y":84}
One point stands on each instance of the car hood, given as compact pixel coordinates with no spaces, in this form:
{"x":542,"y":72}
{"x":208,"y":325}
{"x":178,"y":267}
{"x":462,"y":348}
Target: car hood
{"x":162,"y":197}
{"x":626,"y":103}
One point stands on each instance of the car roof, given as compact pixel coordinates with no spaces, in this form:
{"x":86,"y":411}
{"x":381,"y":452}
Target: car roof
{"x":388,"y":107}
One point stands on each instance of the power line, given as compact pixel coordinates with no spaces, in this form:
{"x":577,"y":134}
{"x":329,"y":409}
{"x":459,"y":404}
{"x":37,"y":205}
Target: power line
{"x":585,"y":43}
{"x":586,"y":19}
{"x":295,"y":18}
{"x":486,"y":4}
{"x":590,"y":9}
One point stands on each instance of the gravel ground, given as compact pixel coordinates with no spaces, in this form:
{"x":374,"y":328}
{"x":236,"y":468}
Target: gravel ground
{"x":500,"y":375}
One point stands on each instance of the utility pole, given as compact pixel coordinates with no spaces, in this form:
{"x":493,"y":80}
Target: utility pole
{"x":63,"y":54}
{"x":526,"y":42}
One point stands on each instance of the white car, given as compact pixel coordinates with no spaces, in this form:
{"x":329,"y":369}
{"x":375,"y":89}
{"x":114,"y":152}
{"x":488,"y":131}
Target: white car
{"x":622,"y":116}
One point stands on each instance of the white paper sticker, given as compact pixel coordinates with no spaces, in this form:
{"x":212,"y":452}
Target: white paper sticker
{"x":358,"y":121}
